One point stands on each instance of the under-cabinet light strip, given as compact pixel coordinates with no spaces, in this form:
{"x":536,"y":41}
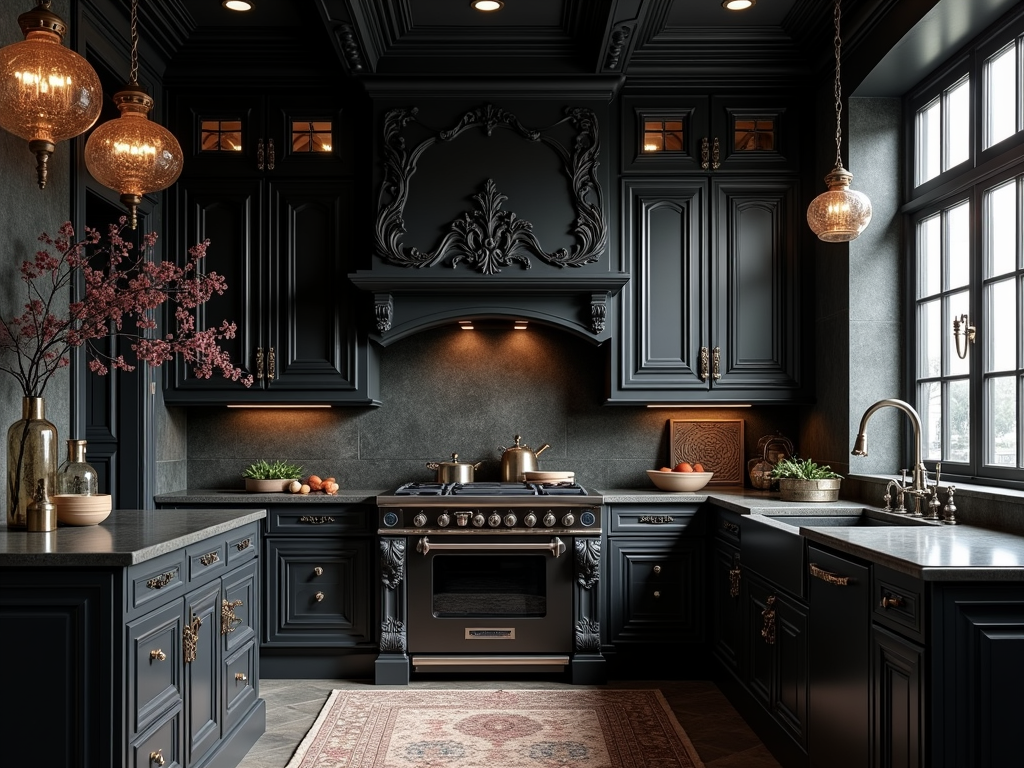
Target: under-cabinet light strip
{"x":258,"y":405}
{"x":699,"y":405}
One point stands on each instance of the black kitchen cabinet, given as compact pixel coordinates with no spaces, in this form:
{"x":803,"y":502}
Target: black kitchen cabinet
{"x":269,"y":182}
{"x":655,"y":585}
{"x":727,"y":609}
{"x":898,"y":701}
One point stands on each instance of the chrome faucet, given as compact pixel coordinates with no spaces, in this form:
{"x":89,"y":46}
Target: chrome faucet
{"x":919,"y":488}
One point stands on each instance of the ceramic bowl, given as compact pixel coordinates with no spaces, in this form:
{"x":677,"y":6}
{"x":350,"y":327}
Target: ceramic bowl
{"x":73,"y":509}
{"x":266,"y":486}
{"x":686,"y":482}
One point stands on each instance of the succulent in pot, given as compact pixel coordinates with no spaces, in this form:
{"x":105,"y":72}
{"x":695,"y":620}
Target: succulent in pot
{"x":270,"y":476}
{"x":805,"y":480}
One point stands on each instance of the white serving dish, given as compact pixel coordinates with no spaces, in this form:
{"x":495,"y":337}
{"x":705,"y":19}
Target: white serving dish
{"x":686,"y":482}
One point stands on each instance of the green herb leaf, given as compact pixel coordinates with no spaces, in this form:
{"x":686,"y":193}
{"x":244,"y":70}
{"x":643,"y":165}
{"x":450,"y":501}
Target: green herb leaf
{"x":803,"y":470}
{"x":277,"y":470}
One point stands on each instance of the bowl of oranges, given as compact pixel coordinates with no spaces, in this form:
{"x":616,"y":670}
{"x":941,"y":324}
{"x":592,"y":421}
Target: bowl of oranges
{"x":684,"y":477}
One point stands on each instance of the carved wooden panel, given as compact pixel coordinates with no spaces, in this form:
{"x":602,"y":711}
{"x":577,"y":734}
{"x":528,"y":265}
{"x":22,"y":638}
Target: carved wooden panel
{"x":718,"y":445}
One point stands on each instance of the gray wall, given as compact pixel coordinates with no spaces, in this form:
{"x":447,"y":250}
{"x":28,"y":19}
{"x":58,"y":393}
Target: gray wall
{"x":25,"y":212}
{"x":448,"y":391}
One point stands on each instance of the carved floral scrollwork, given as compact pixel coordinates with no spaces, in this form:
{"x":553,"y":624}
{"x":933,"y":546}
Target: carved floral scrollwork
{"x":392,"y":636}
{"x":588,"y":635}
{"x":392,"y":562}
{"x":588,"y":561}
{"x":490,"y":238}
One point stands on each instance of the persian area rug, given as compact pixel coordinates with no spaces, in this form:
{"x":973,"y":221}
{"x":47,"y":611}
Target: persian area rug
{"x":496,"y":729}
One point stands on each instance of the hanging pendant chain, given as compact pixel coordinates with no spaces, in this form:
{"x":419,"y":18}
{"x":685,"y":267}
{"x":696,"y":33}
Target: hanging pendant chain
{"x":839,"y":103}
{"x":134,"y":78}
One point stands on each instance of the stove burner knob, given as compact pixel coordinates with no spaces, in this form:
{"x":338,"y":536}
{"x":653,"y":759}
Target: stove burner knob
{"x":530,"y":520}
{"x":462,"y":519}
{"x":568,"y":520}
{"x":549,"y":520}
{"x":510,"y":520}
{"x":494,"y":520}
{"x":478,"y":520}
{"x":420,"y":520}
{"x":443,"y":519}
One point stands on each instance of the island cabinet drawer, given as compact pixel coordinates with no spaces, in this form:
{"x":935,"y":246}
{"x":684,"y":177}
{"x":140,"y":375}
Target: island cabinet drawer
{"x":243,"y":545}
{"x":161,"y":746}
{"x":238,"y":686}
{"x":154,"y":665}
{"x":318,"y":519}
{"x":206,"y":559}
{"x":649,"y":519}
{"x":898,"y":602}
{"x":156,"y":581}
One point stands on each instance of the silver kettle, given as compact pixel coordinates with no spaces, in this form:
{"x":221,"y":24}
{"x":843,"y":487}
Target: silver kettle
{"x":518,"y":459}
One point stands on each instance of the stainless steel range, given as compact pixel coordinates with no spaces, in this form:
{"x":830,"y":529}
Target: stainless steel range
{"x":489,"y":578}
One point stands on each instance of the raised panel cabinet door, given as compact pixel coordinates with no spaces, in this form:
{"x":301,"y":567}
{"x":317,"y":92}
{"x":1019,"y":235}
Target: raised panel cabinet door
{"x":758,"y":618}
{"x":154,"y":666}
{"x":658,"y":349}
{"x":727,"y":607}
{"x":202,"y":659}
{"x":790,"y":694}
{"x":755,"y":332}
{"x":897,"y":701}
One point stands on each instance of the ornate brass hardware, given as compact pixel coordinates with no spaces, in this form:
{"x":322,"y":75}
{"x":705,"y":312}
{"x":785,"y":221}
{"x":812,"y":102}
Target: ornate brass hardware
{"x":891,"y":601}
{"x":157,"y":655}
{"x":703,"y":363}
{"x":655,"y":519}
{"x":162,"y":580}
{"x":314,"y":520}
{"x":831,"y":578}
{"x":704,"y":153}
{"x":657,"y":594}
{"x":715,"y":155}
{"x":961,"y":329}
{"x":259,"y":154}
{"x":259,"y":362}
{"x":318,"y":571}
{"x":734,"y":581}
{"x":243,"y":544}
{"x":319,"y":597}
{"x":768,"y":615}
{"x":657,"y":570}
{"x":731,"y":527}
{"x":271,"y":360}
{"x":240,"y":677}
{"x":210,"y":558}
{"x":270,"y":154}
{"x":716,"y":353}
{"x":157,"y":757}
{"x":190,"y":639}
{"x":228,"y":620}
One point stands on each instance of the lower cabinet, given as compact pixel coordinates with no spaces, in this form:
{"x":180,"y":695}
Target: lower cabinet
{"x":898,"y":701}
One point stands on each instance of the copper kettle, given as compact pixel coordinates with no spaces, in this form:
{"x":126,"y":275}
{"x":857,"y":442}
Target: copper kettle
{"x":518,"y":459}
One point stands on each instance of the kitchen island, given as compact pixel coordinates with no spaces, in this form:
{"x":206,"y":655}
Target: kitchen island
{"x":133,"y":642}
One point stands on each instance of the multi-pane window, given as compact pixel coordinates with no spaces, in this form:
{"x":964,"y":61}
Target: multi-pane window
{"x":968,"y":262}
{"x":311,"y":136}
{"x":663,"y":135}
{"x":221,"y":135}
{"x":754,"y":134}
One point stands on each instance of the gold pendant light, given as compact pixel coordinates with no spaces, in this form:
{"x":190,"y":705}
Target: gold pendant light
{"x":840,"y":214}
{"x":48,"y":93}
{"x":131,"y":154}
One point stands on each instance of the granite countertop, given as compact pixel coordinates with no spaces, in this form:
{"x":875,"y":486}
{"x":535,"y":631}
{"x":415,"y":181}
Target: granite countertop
{"x":240,"y":496}
{"x":126,"y":537}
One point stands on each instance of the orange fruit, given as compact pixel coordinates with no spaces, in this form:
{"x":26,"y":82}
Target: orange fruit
{"x":315,"y":482}
{"x":665,"y":469}
{"x":683,"y":466}
{"x":698,"y":467}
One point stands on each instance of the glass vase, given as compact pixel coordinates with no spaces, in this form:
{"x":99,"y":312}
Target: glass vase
{"x":77,"y":476}
{"x":31,"y":457}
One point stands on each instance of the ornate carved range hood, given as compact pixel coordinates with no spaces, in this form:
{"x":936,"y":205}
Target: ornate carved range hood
{"x":529,"y":236}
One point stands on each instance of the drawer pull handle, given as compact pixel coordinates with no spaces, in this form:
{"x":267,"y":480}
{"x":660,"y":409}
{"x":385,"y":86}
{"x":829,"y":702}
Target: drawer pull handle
{"x":228,"y":620}
{"x":315,"y":520}
{"x":891,"y":601}
{"x":243,"y":544}
{"x":162,"y":580}
{"x":318,"y":571}
{"x":319,"y":597}
{"x":190,"y":639}
{"x":768,"y":627}
{"x":655,"y":519}
{"x":831,"y":578}
{"x":657,"y":594}
{"x":703,"y":363}
{"x":259,"y":350}
{"x":657,"y":570}
{"x":731,"y":527}
{"x":157,"y":655}
{"x":157,"y":757}
{"x":734,"y":582}
{"x":209,"y":558}
{"x":240,"y":677}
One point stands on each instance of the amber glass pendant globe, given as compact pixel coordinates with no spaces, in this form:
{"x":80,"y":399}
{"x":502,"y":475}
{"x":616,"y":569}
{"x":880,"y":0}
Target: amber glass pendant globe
{"x":48,"y":93}
{"x":132,"y":154}
{"x":840,"y":214}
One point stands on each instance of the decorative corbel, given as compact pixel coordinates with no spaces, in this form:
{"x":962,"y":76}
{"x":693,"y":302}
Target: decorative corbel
{"x":384,"y":311}
{"x":598,"y":311}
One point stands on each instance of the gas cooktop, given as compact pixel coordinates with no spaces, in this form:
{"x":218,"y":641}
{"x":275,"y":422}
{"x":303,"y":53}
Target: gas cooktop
{"x":491,"y":489}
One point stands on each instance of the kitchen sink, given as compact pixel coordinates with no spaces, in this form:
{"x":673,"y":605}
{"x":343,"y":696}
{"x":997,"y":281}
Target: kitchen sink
{"x":864,"y":518}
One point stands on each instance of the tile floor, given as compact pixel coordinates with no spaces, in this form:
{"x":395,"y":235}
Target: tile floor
{"x":721,"y":737}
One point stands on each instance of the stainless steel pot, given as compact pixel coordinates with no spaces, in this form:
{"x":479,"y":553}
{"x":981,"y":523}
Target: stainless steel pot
{"x":454,"y":471}
{"x":519,"y":459}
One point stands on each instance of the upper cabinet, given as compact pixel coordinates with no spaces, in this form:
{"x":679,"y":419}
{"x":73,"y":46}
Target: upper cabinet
{"x":712,"y":311}
{"x":269,"y":181}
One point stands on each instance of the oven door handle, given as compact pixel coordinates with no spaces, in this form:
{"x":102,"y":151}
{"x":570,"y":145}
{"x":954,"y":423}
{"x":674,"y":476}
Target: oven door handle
{"x":555,"y":546}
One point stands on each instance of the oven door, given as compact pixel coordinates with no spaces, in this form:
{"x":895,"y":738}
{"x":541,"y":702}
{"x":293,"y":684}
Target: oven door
{"x":480,"y":594}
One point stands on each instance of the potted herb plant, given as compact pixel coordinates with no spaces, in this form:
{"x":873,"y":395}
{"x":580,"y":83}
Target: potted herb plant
{"x":270,"y":476}
{"x":804,"y":480}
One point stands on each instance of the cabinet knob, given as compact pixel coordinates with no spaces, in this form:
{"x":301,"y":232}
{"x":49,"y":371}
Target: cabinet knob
{"x":657,"y":570}
{"x":657,"y":593}
{"x":157,"y":757}
{"x":318,"y":571}
{"x":240,"y":677}
{"x":158,"y":655}
{"x":891,"y":601}
{"x":319,"y":597}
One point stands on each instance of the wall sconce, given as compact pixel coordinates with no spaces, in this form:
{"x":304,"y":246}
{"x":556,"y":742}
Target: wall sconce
{"x":48,"y":93}
{"x":131,"y":154}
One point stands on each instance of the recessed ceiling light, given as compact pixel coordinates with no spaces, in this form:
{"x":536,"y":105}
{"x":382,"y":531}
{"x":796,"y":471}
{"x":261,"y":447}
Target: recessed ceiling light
{"x":237,"y":5}
{"x":488,"y":5}
{"x":738,"y":5}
